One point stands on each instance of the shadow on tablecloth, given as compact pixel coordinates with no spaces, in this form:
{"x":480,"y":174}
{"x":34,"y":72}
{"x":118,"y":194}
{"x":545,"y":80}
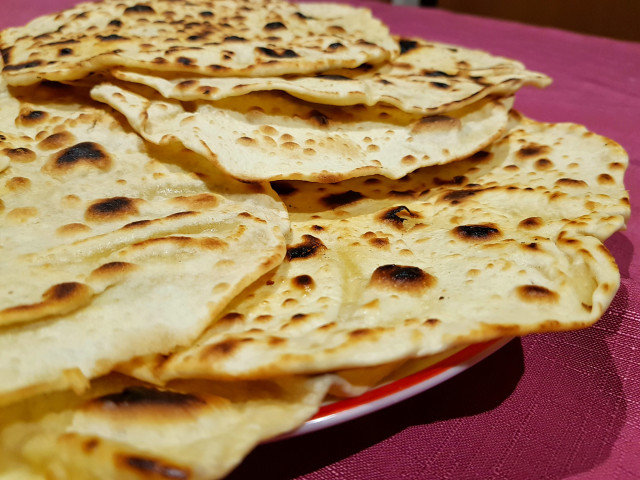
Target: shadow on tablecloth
{"x":622,"y":249}
{"x":465,"y":394}
{"x":547,"y":406}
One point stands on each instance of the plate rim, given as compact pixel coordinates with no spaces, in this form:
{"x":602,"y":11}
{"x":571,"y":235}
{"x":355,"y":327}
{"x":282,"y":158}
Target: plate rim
{"x":396,"y":391}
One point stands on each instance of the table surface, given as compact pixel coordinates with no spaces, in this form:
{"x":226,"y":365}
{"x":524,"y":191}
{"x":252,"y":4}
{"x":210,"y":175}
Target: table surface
{"x":553,"y":406}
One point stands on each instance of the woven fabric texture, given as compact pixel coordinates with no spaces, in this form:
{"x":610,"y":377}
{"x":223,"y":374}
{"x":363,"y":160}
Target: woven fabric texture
{"x":556,"y":406}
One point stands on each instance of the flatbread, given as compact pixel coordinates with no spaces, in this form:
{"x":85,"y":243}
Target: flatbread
{"x":127,"y":430}
{"x":97,"y":229}
{"x":273,"y":136}
{"x":507,"y":242}
{"x":221,"y":37}
{"x":428,"y":78}
{"x":26,"y":111}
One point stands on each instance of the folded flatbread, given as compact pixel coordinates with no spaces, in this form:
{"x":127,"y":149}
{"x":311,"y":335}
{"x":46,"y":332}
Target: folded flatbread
{"x":131,"y":431}
{"x":274,"y":136}
{"x":427,"y":78}
{"x":221,"y":37}
{"x":111,"y":247}
{"x":506,"y":242}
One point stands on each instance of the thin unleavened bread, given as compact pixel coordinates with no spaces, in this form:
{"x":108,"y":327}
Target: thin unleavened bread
{"x":111,"y":246}
{"x":221,"y":37}
{"x":130,"y":431}
{"x":21,"y":106}
{"x":274,"y":136}
{"x":427,"y":78}
{"x":507,"y":242}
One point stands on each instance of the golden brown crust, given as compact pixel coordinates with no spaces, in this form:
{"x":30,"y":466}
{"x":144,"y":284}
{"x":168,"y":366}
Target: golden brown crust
{"x":162,"y":35}
{"x":445,"y":256}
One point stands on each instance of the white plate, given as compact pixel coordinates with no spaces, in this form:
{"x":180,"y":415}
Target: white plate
{"x":412,"y":378}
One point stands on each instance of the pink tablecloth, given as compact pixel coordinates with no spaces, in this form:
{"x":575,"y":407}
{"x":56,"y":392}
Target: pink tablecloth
{"x":549,"y":406}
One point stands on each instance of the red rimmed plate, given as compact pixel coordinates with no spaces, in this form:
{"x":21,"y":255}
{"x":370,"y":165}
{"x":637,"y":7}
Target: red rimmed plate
{"x":412,"y":378}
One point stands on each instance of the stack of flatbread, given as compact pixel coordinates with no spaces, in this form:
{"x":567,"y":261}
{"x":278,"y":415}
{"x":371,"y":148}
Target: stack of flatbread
{"x":210,"y":210}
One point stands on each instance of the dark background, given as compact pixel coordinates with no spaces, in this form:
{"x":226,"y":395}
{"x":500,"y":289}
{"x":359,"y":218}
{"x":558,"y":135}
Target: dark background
{"x":610,"y":18}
